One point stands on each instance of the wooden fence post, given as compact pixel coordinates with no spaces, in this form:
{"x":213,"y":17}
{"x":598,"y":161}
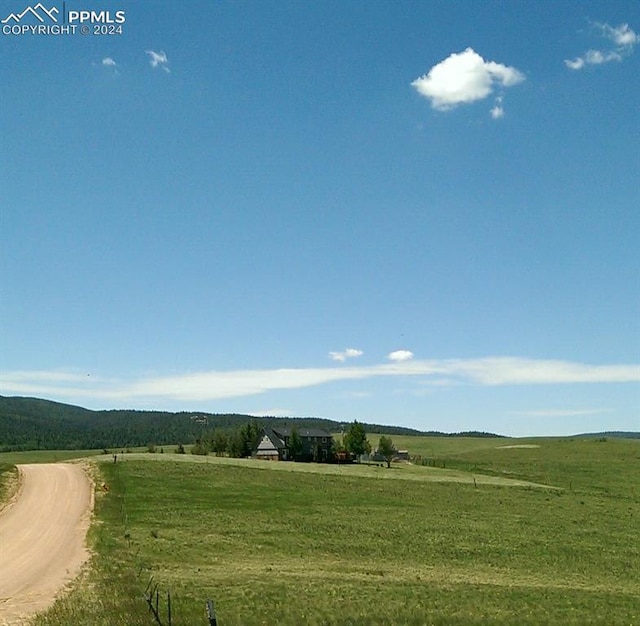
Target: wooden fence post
{"x":211,"y":613}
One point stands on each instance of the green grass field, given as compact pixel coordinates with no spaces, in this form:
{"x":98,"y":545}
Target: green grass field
{"x":45,"y":456}
{"x":300,"y":544}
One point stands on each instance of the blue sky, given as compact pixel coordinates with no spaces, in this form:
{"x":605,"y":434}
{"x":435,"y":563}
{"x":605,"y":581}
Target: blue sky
{"x":413,"y":213}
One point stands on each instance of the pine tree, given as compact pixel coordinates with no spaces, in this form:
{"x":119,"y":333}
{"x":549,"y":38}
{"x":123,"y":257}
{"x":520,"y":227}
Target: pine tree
{"x":295,"y":444}
{"x":355,"y":440}
{"x":387,"y":449}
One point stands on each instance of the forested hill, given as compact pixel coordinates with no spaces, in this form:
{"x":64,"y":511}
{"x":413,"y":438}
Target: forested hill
{"x":614,"y":434}
{"x":35,"y":424}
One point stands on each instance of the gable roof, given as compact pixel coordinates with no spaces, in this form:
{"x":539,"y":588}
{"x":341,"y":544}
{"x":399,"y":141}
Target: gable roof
{"x":278,"y":442}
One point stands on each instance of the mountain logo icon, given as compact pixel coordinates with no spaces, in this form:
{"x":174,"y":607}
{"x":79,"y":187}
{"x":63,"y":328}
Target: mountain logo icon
{"x":37,"y":11}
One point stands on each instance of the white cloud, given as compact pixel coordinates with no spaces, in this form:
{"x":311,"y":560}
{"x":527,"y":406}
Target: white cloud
{"x":109,"y":64}
{"x":497,"y":111}
{"x":574,"y":64}
{"x":158,"y":59}
{"x":349,"y":353}
{"x":462,"y":78}
{"x":400,"y":355}
{"x":622,"y":36}
{"x":596,"y":57}
{"x":518,"y":371}
{"x":592,"y":57}
{"x":213,"y":385}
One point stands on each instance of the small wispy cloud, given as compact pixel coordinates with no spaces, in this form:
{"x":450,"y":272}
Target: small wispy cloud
{"x":497,"y":111}
{"x":465,"y":77}
{"x":109,"y":64}
{"x":592,"y":57}
{"x":400,"y":355}
{"x":349,"y":353}
{"x":622,"y":35}
{"x":158,"y":59}
{"x":623,"y":38}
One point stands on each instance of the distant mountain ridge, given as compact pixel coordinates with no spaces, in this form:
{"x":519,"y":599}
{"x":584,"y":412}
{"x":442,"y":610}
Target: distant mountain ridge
{"x":38,"y":424}
{"x":614,"y":434}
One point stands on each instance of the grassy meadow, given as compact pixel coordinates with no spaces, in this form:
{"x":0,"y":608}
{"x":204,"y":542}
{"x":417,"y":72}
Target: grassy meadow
{"x":45,"y":456}
{"x":284,"y":543}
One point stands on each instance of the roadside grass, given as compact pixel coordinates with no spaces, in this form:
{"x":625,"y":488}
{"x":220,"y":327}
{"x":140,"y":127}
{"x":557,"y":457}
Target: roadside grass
{"x":8,"y":482}
{"x":274,"y":546}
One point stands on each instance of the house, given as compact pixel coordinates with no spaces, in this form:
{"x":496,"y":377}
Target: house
{"x":316,"y":445}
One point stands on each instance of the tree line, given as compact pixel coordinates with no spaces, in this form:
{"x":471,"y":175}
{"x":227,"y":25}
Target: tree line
{"x":243,"y":441}
{"x":38,"y":424}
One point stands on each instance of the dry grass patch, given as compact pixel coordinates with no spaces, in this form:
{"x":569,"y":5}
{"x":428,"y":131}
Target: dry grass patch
{"x":9,"y":484}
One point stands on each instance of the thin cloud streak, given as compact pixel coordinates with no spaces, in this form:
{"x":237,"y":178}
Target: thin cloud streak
{"x":560,"y":412}
{"x":215,"y":385}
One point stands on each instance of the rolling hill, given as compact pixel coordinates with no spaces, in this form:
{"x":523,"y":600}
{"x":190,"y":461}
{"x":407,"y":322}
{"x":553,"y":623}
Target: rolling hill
{"x":37,"y":424}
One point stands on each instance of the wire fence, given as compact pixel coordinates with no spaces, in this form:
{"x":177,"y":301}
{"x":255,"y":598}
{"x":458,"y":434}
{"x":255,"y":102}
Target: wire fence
{"x":158,"y":602}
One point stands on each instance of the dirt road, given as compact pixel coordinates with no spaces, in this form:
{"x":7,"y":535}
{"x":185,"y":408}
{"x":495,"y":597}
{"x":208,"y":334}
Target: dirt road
{"x":42,"y":537}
